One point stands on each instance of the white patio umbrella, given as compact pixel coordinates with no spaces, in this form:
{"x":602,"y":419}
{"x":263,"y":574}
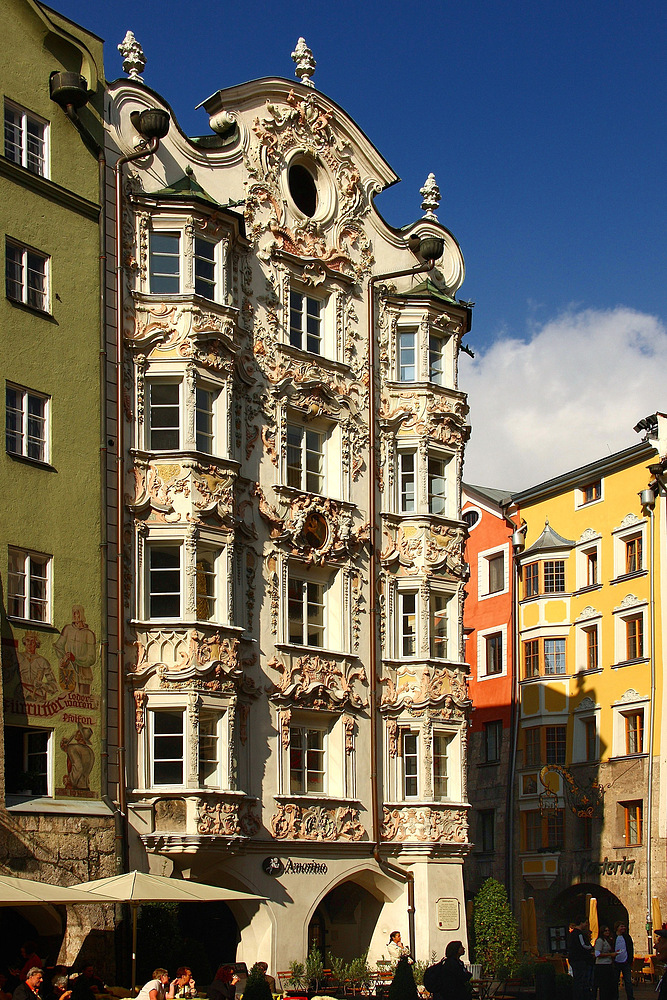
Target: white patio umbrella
{"x":136,"y":888}
{"x":28,"y":892}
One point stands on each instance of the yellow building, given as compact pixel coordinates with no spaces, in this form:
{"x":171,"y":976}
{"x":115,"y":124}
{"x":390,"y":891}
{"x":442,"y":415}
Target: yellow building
{"x":589,"y":800}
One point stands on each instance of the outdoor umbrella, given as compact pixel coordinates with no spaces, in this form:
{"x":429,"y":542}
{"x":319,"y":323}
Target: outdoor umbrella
{"x":525,"y":943}
{"x":593,"y":918}
{"x":136,"y":888}
{"x":656,"y":914}
{"x":532,"y":927}
{"x":28,"y":892}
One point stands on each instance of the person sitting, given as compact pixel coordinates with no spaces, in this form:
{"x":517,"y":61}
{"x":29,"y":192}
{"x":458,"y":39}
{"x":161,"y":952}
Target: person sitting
{"x":155,"y":988}
{"x":29,"y":989}
{"x":264,"y":966}
{"x":87,"y":984}
{"x":59,"y":990}
{"x":223,"y":986}
{"x":31,"y":960}
{"x":184,"y":984}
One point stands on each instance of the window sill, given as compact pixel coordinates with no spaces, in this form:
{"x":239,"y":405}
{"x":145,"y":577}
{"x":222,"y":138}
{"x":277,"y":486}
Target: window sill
{"x":26,"y":460}
{"x":547,"y":677}
{"x":292,"y":491}
{"x":35,"y":310}
{"x":46,"y":626}
{"x":296,"y":650}
{"x":488,"y":763}
{"x":180,"y":623}
{"x":630,"y":663}
{"x":556,"y":594}
{"x":181,"y":453}
{"x":587,"y":671}
{"x":303,"y":798}
{"x":626,"y":756}
{"x":589,"y":588}
{"x":629,"y":576}
{"x":64,"y":807}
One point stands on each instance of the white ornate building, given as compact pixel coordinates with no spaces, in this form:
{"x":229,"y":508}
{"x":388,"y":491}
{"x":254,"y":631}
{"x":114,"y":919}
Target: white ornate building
{"x":292,"y":686}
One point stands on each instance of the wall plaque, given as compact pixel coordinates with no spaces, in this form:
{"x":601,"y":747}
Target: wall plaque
{"x":447,"y":913}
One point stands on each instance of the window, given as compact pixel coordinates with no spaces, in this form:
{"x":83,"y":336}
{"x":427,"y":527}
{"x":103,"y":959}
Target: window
{"x":532,"y":746}
{"x":471,"y":517}
{"x":590,"y":739}
{"x":543,"y":832}
{"x":205,"y":261}
{"x":26,"y":138}
{"x":634,"y":637}
{"x":408,"y":624}
{"x":497,"y":573}
{"x":634,"y":732}
{"x":407,"y":355}
{"x":305,"y":459}
{"x":26,"y":423}
{"x":494,"y":653}
{"x":164,"y":581}
{"x":531,"y":579}
{"x":586,"y":832}
{"x":591,"y":492}
{"x":27,"y":761}
{"x":633,"y":554}
{"x":554,"y":576}
{"x":634,"y":821}
{"x":305,"y":330}
{"x":493,"y":736}
{"x":205,"y":418}
{"x":436,"y":359}
{"x":487,"y":831}
{"x":441,"y":743}
{"x":207,"y":576}
{"x":410,"y":765}
{"x":307,"y":760}
{"x":26,"y":273}
{"x":591,"y":567}
{"x":164,"y":415}
{"x":556,"y":741}
{"x":533,"y":830}
{"x":437,"y":484}
{"x":28,"y":586}
{"x":555,"y":829}
{"x":210,"y":742}
{"x":439,"y":611}
{"x":168,"y":760}
{"x":305,"y":611}
{"x":558,"y":939}
{"x":592,"y":646}
{"x":165,"y":263}
{"x":531,"y":658}
{"x":554,"y":656}
{"x":406,"y":463}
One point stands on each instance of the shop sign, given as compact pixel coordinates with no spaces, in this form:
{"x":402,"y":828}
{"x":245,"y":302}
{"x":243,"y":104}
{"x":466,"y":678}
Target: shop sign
{"x":626,"y":866}
{"x":277,"y":867}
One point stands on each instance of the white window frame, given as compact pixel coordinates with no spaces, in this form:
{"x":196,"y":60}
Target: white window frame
{"x":446,"y":615}
{"x":335,"y":635}
{"x":24,"y":417}
{"x":483,"y":571}
{"x":398,"y":456}
{"x":305,"y":728}
{"x":470,"y":509}
{"x":162,"y":710}
{"x":413,"y":332}
{"x":154,"y":543}
{"x":161,"y":374}
{"x":216,"y":554}
{"x":482,"y":667}
{"x":193,"y":781}
{"x":215,"y":392}
{"x":583,"y":625}
{"x":397,"y":773}
{"x":187,"y":278}
{"x":404,"y":597}
{"x":629,"y":704}
{"x":41,"y":297}
{"x":416,"y":757}
{"x":306,"y":477}
{"x":632,"y":528}
{"x":631,"y":607}
{"x":29,"y":560}
{"x":442,"y":374}
{"x":580,"y":493}
{"x":422,"y":328}
{"x":407,"y":502}
{"x":28,"y":117}
{"x":155,"y":382}
{"x":219,"y":718}
{"x":438,"y":499}
{"x":583,"y":715}
{"x":591,"y":545}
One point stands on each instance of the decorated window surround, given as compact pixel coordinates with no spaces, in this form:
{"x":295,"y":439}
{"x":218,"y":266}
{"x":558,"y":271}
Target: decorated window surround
{"x":424,"y":638}
{"x":339,"y":753}
{"x":424,"y":730}
{"x":189,"y":227}
{"x":425,"y":324}
{"x":588,"y":550}
{"x":190,"y":542}
{"x":189,"y":378}
{"x":422,"y":451}
{"x":630,"y":608}
{"x":631,"y":703}
{"x":630,"y":528}
{"x":191,"y":704}
{"x":336,"y":594}
{"x":336,"y":478}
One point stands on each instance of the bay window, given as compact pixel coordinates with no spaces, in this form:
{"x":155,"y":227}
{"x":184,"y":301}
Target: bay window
{"x":168,"y":747}
{"x":164,"y":415}
{"x":407,"y":481}
{"x":307,"y":757}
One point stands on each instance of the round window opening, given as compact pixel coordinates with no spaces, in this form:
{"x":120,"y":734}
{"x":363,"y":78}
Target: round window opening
{"x":471,"y":517}
{"x":302,"y":188}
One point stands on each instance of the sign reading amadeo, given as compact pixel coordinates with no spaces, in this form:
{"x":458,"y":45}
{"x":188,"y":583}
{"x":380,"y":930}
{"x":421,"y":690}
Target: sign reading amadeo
{"x":277,"y":867}
{"x":447,"y":914}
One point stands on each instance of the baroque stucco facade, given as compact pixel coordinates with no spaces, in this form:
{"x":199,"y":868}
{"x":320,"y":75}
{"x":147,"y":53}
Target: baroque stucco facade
{"x":280,"y":695}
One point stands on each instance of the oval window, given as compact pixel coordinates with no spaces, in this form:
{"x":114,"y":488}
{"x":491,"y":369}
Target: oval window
{"x":302,"y":188}
{"x":471,"y":517}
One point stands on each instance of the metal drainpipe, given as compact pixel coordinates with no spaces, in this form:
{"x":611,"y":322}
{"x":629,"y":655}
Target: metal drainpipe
{"x":146,"y":149}
{"x":514,"y":733}
{"x":648,"y":827}
{"x":392,"y":869}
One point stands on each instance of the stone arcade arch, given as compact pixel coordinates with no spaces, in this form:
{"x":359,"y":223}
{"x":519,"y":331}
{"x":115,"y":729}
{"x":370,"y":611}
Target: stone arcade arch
{"x":572,"y":902}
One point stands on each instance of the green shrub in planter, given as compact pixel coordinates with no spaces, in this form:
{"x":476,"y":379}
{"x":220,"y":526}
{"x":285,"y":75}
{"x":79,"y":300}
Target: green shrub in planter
{"x":403,"y":986}
{"x":256,"y":987}
{"x":496,"y":933}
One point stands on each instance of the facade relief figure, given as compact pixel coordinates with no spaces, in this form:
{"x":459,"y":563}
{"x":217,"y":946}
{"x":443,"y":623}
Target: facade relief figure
{"x":80,"y":759}
{"x":76,"y":647}
{"x":36,"y":675}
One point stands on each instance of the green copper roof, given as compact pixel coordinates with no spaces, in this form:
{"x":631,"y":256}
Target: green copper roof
{"x":426,"y":289}
{"x":549,"y":539}
{"x":186,"y":187}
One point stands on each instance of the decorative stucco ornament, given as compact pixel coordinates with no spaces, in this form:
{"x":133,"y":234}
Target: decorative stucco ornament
{"x":134,"y":60}
{"x":305,"y":63}
{"x":431,"y":195}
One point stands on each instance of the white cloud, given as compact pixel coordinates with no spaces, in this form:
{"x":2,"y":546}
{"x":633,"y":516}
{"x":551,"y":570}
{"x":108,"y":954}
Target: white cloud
{"x":568,"y":394}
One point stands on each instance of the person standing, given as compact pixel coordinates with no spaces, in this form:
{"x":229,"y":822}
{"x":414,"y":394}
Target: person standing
{"x":605,"y":979}
{"x":454,"y":977}
{"x":625,"y":952}
{"x":661,"y":955}
{"x":580,"y":955}
{"x":396,"y":948}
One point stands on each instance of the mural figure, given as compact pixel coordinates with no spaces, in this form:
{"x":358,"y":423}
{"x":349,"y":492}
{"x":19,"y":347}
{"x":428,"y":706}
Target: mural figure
{"x":76,"y":647}
{"x":80,"y":759}
{"x":36,"y":676}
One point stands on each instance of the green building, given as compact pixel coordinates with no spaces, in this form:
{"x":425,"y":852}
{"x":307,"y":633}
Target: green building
{"x":54,"y":824}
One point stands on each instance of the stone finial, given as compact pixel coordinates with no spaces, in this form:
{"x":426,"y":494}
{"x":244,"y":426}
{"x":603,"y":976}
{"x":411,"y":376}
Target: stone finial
{"x":134,"y":60}
{"x":431,"y":195}
{"x":305,"y":63}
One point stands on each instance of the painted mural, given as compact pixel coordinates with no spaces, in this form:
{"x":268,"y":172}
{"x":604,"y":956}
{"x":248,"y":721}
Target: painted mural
{"x":48,"y":682}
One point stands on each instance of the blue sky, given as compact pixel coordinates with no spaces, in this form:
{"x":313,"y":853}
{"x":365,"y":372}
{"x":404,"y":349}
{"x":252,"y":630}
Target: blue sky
{"x":544,"y":123}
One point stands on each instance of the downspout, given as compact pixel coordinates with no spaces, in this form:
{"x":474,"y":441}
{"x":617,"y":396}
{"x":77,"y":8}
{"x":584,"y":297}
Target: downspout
{"x":92,"y":144}
{"x":648,"y":826}
{"x":147,"y":147}
{"x":394,"y":870}
{"x":517,"y":547}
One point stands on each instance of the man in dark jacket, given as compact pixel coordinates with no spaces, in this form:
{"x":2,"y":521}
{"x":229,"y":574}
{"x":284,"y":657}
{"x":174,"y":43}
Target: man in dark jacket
{"x":661,"y":955}
{"x":581,"y":956}
{"x":29,"y":990}
{"x":625,"y":952}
